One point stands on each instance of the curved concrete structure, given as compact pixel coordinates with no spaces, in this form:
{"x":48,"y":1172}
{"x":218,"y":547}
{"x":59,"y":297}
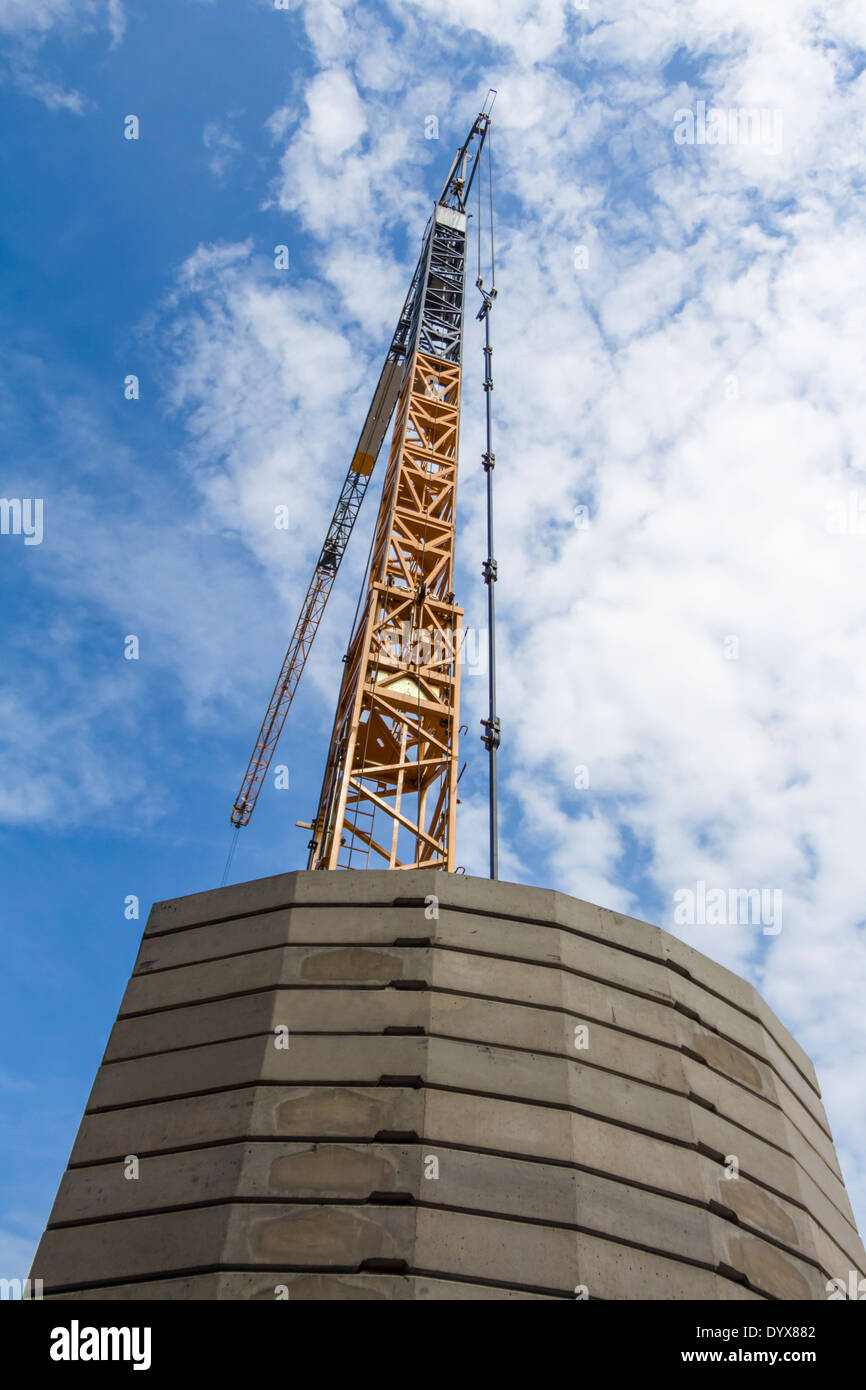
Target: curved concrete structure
{"x":382,"y":1085}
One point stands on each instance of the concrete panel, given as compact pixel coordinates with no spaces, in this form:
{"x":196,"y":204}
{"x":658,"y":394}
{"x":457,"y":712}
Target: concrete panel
{"x":240,"y":1016}
{"x":740,"y":1028}
{"x":741,"y":994}
{"x":500,"y":937}
{"x":491,"y":899}
{"x":756,"y":1074}
{"x":460,"y":1179}
{"x":290,"y":1112}
{"x":536,"y":1131}
{"x":464,"y":1016}
{"x":348,"y":887}
{"x":145,"y":1129}
{"x":585,"y":999}
{"x":458,"y":1065}
{"x":377,"y":966}
{"x":217,"y":904}
{"x":368,"y":1059}
{"x":508,"y":1127}
{"x":605,"y":925}
{"x":144,"y":1246}
{"x":373,"y":967}
{"x":460,"y":1015}
{"x":478,"y":1247}
{"x":779,"y":1172}
{"x":440,"y":1062}
{"x":303,"y":926}
{"x":764,"y":1118}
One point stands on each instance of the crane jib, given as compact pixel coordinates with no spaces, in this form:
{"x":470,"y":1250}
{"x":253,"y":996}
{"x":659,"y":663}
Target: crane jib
{"x":431,"y":323}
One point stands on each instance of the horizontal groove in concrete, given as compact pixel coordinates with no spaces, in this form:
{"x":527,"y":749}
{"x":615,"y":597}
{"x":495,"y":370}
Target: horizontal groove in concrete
{"x":597,"y":1234}
{"x":352,"y":1172}
{"x":469,"y":1246}
{"x":236,"y":1284}
{"x":785,"y":1040}
{"x":92,"y":1290}
{"x":528,"y":1115}
{"x":312,"y":1060}
{"x":196,"y":1018}
{"x":508,"y":1127}
{"x":582,"y":1060}
{"x":204,"y":983}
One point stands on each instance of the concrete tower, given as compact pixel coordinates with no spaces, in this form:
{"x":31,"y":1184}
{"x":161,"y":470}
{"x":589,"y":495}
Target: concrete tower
{"x":420,"y":1085}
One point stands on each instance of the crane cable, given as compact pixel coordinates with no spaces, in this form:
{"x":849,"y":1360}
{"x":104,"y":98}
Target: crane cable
{"x":234,"y":846}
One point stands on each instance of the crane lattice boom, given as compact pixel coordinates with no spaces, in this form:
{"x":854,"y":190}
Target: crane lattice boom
{"x":394,"y":746}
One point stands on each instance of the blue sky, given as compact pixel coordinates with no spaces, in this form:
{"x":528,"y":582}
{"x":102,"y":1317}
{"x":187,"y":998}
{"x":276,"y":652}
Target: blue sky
{"x":678,"y":342}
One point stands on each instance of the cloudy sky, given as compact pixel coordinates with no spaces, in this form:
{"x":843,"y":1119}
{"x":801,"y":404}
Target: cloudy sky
{"x":681,"y":508}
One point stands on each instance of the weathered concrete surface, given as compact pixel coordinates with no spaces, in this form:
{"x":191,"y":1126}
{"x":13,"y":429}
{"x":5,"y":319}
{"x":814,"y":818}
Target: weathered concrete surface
{"x":470,"y":1018}
{"x":442,"y":1062}
{"x":365,"y":967}
{"x":345,"y":1238}
{"x":457,"y":1179}
{"x":479,"y":1122}
{"x":505,"y":901}
{"x":530,"y":942}
{"x":292,"y":1055}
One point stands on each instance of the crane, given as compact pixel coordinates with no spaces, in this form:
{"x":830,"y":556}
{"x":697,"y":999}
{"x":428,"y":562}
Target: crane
{"x":394,"y":745}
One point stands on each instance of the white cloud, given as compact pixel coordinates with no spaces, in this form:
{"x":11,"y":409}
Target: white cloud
{"x":205,"y":260}
{"x":224,"y":148}
{"x":336,"y":116}
{"x":532,"y":29}
{"x":25,"y":25}
{"x":25,"y":16}
{"x":116,"y":19}
{"x":279,"y":121}
{"x":20,"y":16}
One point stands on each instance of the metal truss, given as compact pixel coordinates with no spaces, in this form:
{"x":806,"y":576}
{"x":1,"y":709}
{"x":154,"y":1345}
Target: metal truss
{"x":391,"y":778}
{"x":395,"y":733}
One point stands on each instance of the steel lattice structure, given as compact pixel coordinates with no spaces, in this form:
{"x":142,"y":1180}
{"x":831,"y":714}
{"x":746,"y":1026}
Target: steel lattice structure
{"x":394,"y":746}
{"x":393,"y":755}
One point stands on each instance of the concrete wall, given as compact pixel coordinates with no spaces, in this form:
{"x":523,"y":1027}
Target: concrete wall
{"x":502,"y":1093}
